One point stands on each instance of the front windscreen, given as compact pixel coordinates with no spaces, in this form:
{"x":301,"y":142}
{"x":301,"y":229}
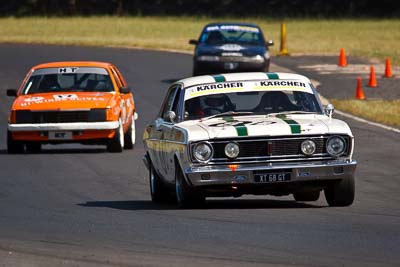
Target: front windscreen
{"x":68,"y":79}
{"x":220,"y":34}
{"x":256,"y":102}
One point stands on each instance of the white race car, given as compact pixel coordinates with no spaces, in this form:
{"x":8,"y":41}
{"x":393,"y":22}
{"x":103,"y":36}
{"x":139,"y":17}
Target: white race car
{"x":248,"y":133}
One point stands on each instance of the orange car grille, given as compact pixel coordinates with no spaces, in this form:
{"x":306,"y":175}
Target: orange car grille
{"x":94,"y":115}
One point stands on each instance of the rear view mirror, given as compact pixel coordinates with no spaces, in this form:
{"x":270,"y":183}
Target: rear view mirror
{"x":12,"y":92}
{"x":193,"y":42}
{"x":125,"y":90}
{"x":329,"y":109}
{"x":270,"y":42}
{"x":170,"y":116}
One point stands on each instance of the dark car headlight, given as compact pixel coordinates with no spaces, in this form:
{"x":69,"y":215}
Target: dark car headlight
{"x":23,"y":116}
{"x":97,"y":114}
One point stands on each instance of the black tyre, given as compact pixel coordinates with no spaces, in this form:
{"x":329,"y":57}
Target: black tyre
{"x":306,"y":196}
{"x":116,"y":144}
{"x":33,"y":147}
{"x":159,"y":193}
{"x":14,"y":147}
{"x":341,"y":194}
{"x":186,"y":197}
{"x":130,"y":136}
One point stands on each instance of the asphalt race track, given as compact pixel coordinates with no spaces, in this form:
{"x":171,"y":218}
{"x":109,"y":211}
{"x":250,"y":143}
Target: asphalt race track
{"x":76,"y":205}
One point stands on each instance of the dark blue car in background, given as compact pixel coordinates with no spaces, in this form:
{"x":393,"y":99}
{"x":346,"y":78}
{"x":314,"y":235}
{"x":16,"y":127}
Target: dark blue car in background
{"x":230,"y":47}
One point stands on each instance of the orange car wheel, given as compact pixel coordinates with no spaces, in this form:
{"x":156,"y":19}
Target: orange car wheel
{"x":14,"y":147}
{"x":116,"y":144}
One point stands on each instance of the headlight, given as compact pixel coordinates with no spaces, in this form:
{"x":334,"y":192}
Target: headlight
{"x":97,"y":114}
{"x":267,"y":55}
{"x":335,"y":146}
{"x":23,"y":116}
{"x":258,"y":59}
{"x":208,"y":58}
{"x":202,"y":151}
{"x":232,"y":150}
{"x":308,"y":147}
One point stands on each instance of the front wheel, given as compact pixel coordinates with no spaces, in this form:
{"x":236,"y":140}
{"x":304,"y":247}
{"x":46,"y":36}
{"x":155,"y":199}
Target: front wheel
{"x":341,"y":194}
{"x":186,"y":196}
{"x":33,"y":147}
{"x":130,"y":135}
{"x":117,"y":142}
{"x":14,"y":147}
{"x":158,"y":191}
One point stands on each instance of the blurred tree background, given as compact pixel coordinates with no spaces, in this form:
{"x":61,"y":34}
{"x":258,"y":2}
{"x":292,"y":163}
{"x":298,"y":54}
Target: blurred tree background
{"x":211,"y":8}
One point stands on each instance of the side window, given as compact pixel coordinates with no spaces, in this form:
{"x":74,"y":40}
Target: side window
{"x":120,"y":77}
{"x":116,"y":78}
{"x":171,"y":101}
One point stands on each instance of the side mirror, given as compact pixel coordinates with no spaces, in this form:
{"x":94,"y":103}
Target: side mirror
{"x":269,"y":43}
{"x":170,"y":116}
{"x":12,"y":92}
{"x":193,"y":42}
{"x":329,"y":110}
{"x":125,"y":90}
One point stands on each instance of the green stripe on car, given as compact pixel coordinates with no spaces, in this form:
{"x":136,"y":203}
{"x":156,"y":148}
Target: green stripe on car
{"x":241,"y":128}
{"x":272,"y":76}
{"x":219,"y":78}
{"x":295,"y":127}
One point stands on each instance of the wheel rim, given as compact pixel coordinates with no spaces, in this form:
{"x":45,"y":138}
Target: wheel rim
{"x":133,"y":135}
{"x":152,"y":182}
{"x":121,"y":134}
{"x":178,"y":189}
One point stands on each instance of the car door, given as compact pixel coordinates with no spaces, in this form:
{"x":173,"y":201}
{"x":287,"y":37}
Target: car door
{"x":126,"y":99}
{"x":166,"y":127}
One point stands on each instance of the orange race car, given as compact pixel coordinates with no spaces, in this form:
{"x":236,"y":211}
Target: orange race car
{"x":72,"y":102}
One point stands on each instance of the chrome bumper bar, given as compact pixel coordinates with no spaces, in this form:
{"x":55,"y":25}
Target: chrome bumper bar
{"x":244,"y":173}
{"x":70,"y":126}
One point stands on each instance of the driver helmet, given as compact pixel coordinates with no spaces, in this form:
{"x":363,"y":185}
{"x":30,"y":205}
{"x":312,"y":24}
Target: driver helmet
{"x":213,"y":104}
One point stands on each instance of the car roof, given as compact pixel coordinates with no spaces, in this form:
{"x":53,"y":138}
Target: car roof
{"x":237,"y":77}
{"x":73,"y":64}
{"x":232,"y":23}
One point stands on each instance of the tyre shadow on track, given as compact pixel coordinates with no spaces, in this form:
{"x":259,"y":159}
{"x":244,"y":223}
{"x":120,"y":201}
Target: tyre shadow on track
{"x":210,"y":204}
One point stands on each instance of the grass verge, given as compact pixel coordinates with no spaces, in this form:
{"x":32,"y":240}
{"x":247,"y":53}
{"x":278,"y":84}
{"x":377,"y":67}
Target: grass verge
{"x":382,"y":111}
{"x":360,"y":37}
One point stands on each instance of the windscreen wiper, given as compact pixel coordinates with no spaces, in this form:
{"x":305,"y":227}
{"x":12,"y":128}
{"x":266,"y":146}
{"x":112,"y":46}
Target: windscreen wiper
{"x":228,"y":113}
{"x":291,"y":112}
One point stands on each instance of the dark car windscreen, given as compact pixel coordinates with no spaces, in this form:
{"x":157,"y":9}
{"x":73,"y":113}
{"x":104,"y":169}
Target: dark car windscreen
{"x":68,"y":79}
{"x":220,"y":34}
{"x":257,"y":102}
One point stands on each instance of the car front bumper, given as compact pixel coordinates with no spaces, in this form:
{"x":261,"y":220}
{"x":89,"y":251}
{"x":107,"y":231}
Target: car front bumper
{"x":71,"y":126}
{"x":214,"y":175}
{"x":230,"y":65}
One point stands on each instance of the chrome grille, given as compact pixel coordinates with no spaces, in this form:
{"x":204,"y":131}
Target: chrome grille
{"x":272,"y":149}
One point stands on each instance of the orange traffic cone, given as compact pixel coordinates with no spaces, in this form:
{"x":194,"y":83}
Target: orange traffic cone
{"x":342,"y":58}
{"x":359,"y":90}
{"x":372,"y":78}
{"x":388,"y":69}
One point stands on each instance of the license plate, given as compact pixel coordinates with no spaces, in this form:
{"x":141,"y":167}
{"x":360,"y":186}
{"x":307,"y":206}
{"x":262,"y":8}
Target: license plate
{"x":60,"y":135}
{"x":231,"y":66}
{"x":271,"y":177}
